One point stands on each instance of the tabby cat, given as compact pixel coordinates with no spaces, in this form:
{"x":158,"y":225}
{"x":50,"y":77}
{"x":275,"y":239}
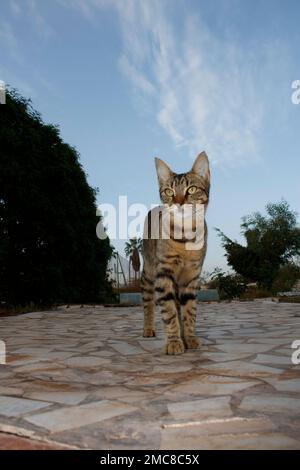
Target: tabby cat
{"x":170,"y":270}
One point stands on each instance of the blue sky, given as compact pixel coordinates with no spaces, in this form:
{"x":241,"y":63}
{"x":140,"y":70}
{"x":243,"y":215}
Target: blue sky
{"x":130,"y":80}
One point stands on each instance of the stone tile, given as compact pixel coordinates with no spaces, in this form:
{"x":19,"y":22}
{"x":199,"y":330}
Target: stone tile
{"x":123,"y":394}
{"x":94,"y":344}
{"x":272,"y":341}
{"x":243,"y":348}
{"x":196,"y":387}
{"x":40,"y":386}
{"x":224,"y":357}
{"x":78,"y":416}
{"x":148,"y":380}
{"x":105,"y":377}
{"x":38,"y":351}
{"x":4,"y":373}
{"x":126,"y":348}
{"x":269,"y":403}
{"x":292,"y":385}
{"x":103,"y":353}
{"x":66,"y":398}
{"x":182,"y":435}
{"x":10,"y":406}
{"x":240,"y":368}
{"x":16,"y":360}
{"x":170,"y":369}
{"x":86,"y":362}
{"x":17,"y":391}
{"x":200,"y":409}
{"x":255,"y":441}
{"x":272,"y":359}
{"x":37,"y":366}
{"x":75,"y":358}
{"x":285,"y":351}
{"x":152,"y":344}
{"x":11,"y":442}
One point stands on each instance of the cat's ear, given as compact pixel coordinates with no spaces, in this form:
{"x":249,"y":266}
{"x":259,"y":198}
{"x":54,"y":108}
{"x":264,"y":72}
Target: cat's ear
{"x":201,"y":166}
{"x":163,"y":171}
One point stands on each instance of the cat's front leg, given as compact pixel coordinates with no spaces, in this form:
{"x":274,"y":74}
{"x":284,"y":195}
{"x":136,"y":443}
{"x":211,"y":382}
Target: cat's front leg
{"x":166,"y":297}
{"x":187,"y":298}
{"x":147,"y":287}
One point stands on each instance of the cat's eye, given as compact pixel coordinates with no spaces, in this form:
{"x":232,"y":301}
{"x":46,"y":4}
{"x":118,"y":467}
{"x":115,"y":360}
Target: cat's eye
{"x":169,"y":192}
{"x":192,"y":189}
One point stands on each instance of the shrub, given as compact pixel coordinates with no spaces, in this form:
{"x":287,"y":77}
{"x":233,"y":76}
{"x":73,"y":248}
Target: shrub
{"x":49,"y":252}
{"x":230,"y":286}
{"x":286,"y":278}
{"x":271,"y":241}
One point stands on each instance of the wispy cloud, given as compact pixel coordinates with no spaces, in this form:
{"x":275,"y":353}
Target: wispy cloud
{"x":30,"y":10}
{"x":9,"y":40}
{"x":42,"y":26}
{"x":205,"y":96}
{"x":205,"y":92}
{"x":15,"y":7}
{"x":138,"y":79}
{"x":15,"y":70}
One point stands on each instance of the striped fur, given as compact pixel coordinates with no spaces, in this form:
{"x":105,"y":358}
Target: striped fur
{"x":171,"y":273}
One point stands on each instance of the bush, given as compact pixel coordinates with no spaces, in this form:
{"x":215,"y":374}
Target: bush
{"x":230,"y":286}
{"x":253,"y":292}
{"x":49,"y":252}
{"x":271,"y":242}
{"x":286,"y":278}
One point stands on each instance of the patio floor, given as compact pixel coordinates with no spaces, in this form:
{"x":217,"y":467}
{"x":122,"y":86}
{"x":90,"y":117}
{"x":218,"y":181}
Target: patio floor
{"x":86,"y":378}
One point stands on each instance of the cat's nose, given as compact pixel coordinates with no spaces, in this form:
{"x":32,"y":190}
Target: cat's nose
{"x":179,"y":199}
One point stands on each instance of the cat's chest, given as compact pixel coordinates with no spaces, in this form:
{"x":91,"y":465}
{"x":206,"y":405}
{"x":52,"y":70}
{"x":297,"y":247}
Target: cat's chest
{"x":176,"y":256}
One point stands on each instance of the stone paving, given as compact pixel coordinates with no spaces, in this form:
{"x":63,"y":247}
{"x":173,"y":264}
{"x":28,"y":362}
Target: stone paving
{"x":86,"y":378}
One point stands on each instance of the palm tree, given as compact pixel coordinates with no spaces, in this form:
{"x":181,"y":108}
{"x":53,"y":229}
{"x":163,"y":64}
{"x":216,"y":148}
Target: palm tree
{"x":133,"y":243}
{"x":132,"y":250}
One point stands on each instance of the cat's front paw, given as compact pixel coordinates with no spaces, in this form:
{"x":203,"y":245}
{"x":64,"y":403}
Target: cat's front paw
{"x":192,"y":342}
{"x":174,"y":346}
{"x":149,"y":333}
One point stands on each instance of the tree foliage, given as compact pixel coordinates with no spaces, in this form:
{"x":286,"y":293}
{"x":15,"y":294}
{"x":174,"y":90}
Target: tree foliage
{"x":48,"y":246}
{"x":131,"y":245}
{"x":230,"y":286}
{"x":271,"y":241}
{"x":286,"y":278}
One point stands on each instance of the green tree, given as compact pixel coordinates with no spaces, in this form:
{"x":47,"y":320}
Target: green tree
{"x":131,"y":245}
{"x":286,"y":278}
{"x":132,"y":250}
{"x":271,"y":242}
{"x":49,"y":251}
{"x":230,"y":286}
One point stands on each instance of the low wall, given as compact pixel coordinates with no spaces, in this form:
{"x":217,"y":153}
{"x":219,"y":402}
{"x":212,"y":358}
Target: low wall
{"x":135,"y":298}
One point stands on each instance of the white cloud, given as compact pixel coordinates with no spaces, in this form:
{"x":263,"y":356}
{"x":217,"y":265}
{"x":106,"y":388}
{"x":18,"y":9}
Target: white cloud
{"x":28,"y":12}
{"x":9,"y":40}
{"x":205,"y":97}
{"x":15,"y":7}
{"x":137,"y":78}
{"x":41,"y":25}
{"x":205,"y":92}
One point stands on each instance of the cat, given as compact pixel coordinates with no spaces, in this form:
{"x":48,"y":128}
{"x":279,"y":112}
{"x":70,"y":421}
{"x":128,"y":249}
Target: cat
{"x":170,"y":270}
